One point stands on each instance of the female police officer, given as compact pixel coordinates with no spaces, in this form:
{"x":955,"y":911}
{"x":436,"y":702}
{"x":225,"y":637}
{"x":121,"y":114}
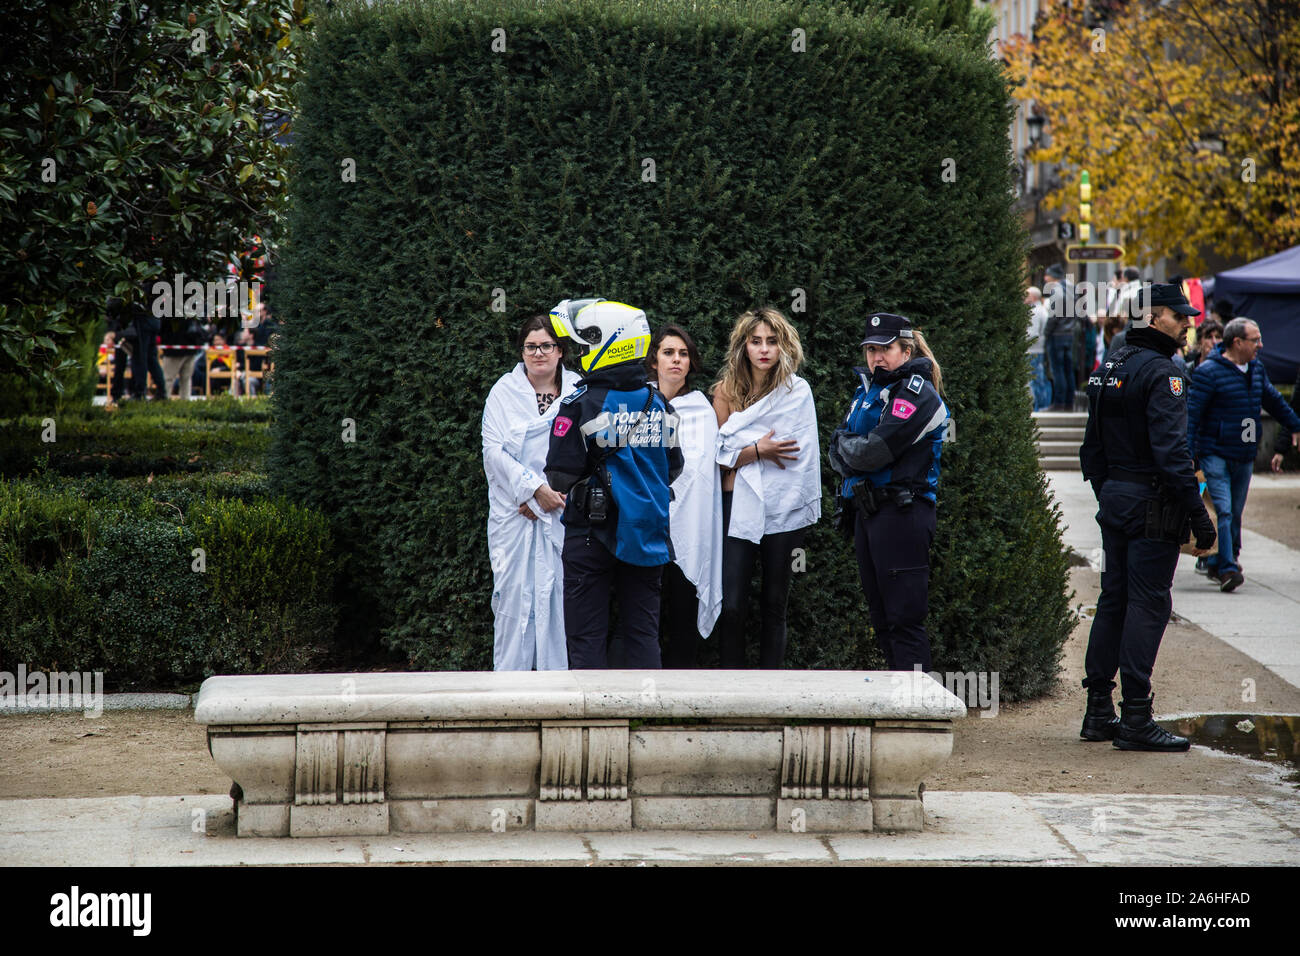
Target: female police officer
{"x":888,"y":454}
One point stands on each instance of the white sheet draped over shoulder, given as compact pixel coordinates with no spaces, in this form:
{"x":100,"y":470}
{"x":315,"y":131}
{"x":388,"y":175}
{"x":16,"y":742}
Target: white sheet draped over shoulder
{"x":527,"y":571}
{"x":695,"y":513}
{"x":768,"y":499}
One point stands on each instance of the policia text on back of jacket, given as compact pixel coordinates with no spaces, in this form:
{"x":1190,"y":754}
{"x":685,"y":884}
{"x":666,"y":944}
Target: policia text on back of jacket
{"x":1135,"y":455}
{"x":614,"y":453}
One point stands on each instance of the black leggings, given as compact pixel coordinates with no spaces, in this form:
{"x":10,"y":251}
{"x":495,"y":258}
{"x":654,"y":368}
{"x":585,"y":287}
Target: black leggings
{"x":738,"y":557}
{"x":678,"y":615}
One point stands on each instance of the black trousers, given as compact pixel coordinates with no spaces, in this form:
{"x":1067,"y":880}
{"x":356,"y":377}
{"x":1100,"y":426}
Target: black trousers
{"x":893,"y":550}
{"x":589,"y":573}
{"x":1135,"y":601}
{"x":677,"y":620}
{"x":738,"y":557}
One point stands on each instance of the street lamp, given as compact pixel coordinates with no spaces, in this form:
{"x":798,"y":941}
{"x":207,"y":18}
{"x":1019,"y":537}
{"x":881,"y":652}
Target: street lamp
{"x":1035,"y":123}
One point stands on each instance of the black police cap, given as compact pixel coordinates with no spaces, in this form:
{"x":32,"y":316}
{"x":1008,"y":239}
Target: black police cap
{"x":884,"y":327}
{"x":1164,"y":294}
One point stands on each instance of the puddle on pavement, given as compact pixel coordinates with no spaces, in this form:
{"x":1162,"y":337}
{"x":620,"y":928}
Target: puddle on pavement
{"x":1272,"y":738}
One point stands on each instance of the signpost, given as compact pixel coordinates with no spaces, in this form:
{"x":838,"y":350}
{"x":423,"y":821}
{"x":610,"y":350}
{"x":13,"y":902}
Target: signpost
{"x":1094,"y":253}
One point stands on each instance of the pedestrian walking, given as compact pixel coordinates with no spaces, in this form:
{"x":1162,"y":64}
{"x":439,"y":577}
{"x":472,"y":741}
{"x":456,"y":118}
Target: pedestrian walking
{"x":1223,"y":424}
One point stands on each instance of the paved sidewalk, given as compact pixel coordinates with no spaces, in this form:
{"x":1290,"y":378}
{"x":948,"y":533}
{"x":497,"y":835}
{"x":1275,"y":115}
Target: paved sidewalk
{"x":1261,"y":619}
{"x":961,"y":827}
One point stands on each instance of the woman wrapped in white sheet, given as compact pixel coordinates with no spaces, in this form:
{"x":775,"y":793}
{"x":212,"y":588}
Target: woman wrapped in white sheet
{"x":771,"y":477}
{"x":525,"y":536}
{"x":691,"y":596}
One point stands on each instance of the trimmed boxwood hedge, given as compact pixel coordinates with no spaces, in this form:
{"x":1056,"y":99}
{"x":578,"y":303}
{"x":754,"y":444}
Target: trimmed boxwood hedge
{"x":872,"y":172}
{"x":101,"y":575}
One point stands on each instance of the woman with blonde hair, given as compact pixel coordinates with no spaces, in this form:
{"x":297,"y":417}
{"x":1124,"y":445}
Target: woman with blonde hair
{"x":771,"y":476}
{"x":887,"y":452}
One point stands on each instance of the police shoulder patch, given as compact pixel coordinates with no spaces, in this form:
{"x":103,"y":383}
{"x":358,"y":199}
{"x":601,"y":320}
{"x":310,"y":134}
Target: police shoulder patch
{"x":914,"y":384}
{"x":573,"y":394}
{"x":1175,"y":385}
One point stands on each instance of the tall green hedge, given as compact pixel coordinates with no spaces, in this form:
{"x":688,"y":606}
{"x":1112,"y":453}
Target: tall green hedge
{"x":871,"y":171}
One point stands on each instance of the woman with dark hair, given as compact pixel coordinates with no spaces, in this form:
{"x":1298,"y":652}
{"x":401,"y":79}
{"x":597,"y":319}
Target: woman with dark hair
{"x":525,"y":536}
{"x":771,"y":476}
{"x":691,"y":595}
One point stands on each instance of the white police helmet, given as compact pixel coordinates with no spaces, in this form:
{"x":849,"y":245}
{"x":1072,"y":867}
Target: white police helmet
{"x":606,"y":333}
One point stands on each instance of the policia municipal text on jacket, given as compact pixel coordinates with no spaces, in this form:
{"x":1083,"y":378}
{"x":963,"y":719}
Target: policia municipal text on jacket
{"x":614,"y":453}
{"x":1135,"y":455}
{"x":887,"y":451}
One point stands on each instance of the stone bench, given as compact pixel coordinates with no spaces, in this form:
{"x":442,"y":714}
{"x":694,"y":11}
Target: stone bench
{"x":366,"y":754}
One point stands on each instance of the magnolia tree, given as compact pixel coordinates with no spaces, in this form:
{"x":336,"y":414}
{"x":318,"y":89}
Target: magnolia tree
{"x":138,"y":141}
{"x":1186,"y":115}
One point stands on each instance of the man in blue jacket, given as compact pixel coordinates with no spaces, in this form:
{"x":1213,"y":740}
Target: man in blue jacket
{"x":1223,"y":424}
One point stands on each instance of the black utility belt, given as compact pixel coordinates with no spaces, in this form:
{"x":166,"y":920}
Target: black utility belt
{"x":1150,"y":479}
{"x":869,"y":499}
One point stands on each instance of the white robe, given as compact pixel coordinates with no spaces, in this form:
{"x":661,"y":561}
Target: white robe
{"x":527,"y":572}
{"x":695,"y":513}
{"x":768,"y":499}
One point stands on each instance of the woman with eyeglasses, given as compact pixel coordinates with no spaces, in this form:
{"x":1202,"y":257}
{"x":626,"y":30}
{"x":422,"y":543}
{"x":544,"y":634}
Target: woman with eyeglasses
{"x":525,"y":536}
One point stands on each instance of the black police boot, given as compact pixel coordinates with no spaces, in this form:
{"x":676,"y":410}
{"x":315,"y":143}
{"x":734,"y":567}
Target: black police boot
{"x":1137,"y":731}
{"x":1099,"y":721}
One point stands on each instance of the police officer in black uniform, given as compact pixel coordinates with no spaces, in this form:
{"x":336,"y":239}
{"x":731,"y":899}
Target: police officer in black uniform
{"x":1135,"y":455}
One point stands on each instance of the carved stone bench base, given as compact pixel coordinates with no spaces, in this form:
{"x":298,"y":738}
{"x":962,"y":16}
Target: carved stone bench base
{"x":398,"y":764}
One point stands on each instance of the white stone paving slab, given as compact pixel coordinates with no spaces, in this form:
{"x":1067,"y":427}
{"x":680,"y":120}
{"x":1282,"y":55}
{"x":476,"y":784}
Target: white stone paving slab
{"x":517,"y":846}
{"x":964,"y":826}
{"x":1169,"y":830}
{"x":961,"y":828}
{"x":676,"y":846}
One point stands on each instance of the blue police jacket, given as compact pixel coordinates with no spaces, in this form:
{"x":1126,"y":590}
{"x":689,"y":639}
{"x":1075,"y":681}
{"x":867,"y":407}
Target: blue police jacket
{"x":893,"y":432}
{"x":1223,"y":408}
{"x":606,"y":420}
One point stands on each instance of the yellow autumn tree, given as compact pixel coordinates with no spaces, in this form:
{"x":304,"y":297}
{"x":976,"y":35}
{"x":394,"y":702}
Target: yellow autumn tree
{"x":1186,"y":114}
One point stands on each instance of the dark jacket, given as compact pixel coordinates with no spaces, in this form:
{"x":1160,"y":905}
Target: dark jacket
{"x":1062,"y":311}
{"x":1137,"y":418}
{"x":894,"y":430}
{"x":1224,"y":405}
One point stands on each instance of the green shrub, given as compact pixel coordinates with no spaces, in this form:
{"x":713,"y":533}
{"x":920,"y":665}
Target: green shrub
{"x":270,"y":569}
{"x":829,"y":171}
{"x":98,"y":574}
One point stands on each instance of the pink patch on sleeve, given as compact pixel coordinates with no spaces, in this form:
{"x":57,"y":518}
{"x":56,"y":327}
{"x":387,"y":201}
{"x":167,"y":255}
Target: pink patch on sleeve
{"x":562,"y":426}
{"x":902,"y":409}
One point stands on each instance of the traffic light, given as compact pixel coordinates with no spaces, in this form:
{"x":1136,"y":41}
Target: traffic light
{"x":1085,"y":208}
